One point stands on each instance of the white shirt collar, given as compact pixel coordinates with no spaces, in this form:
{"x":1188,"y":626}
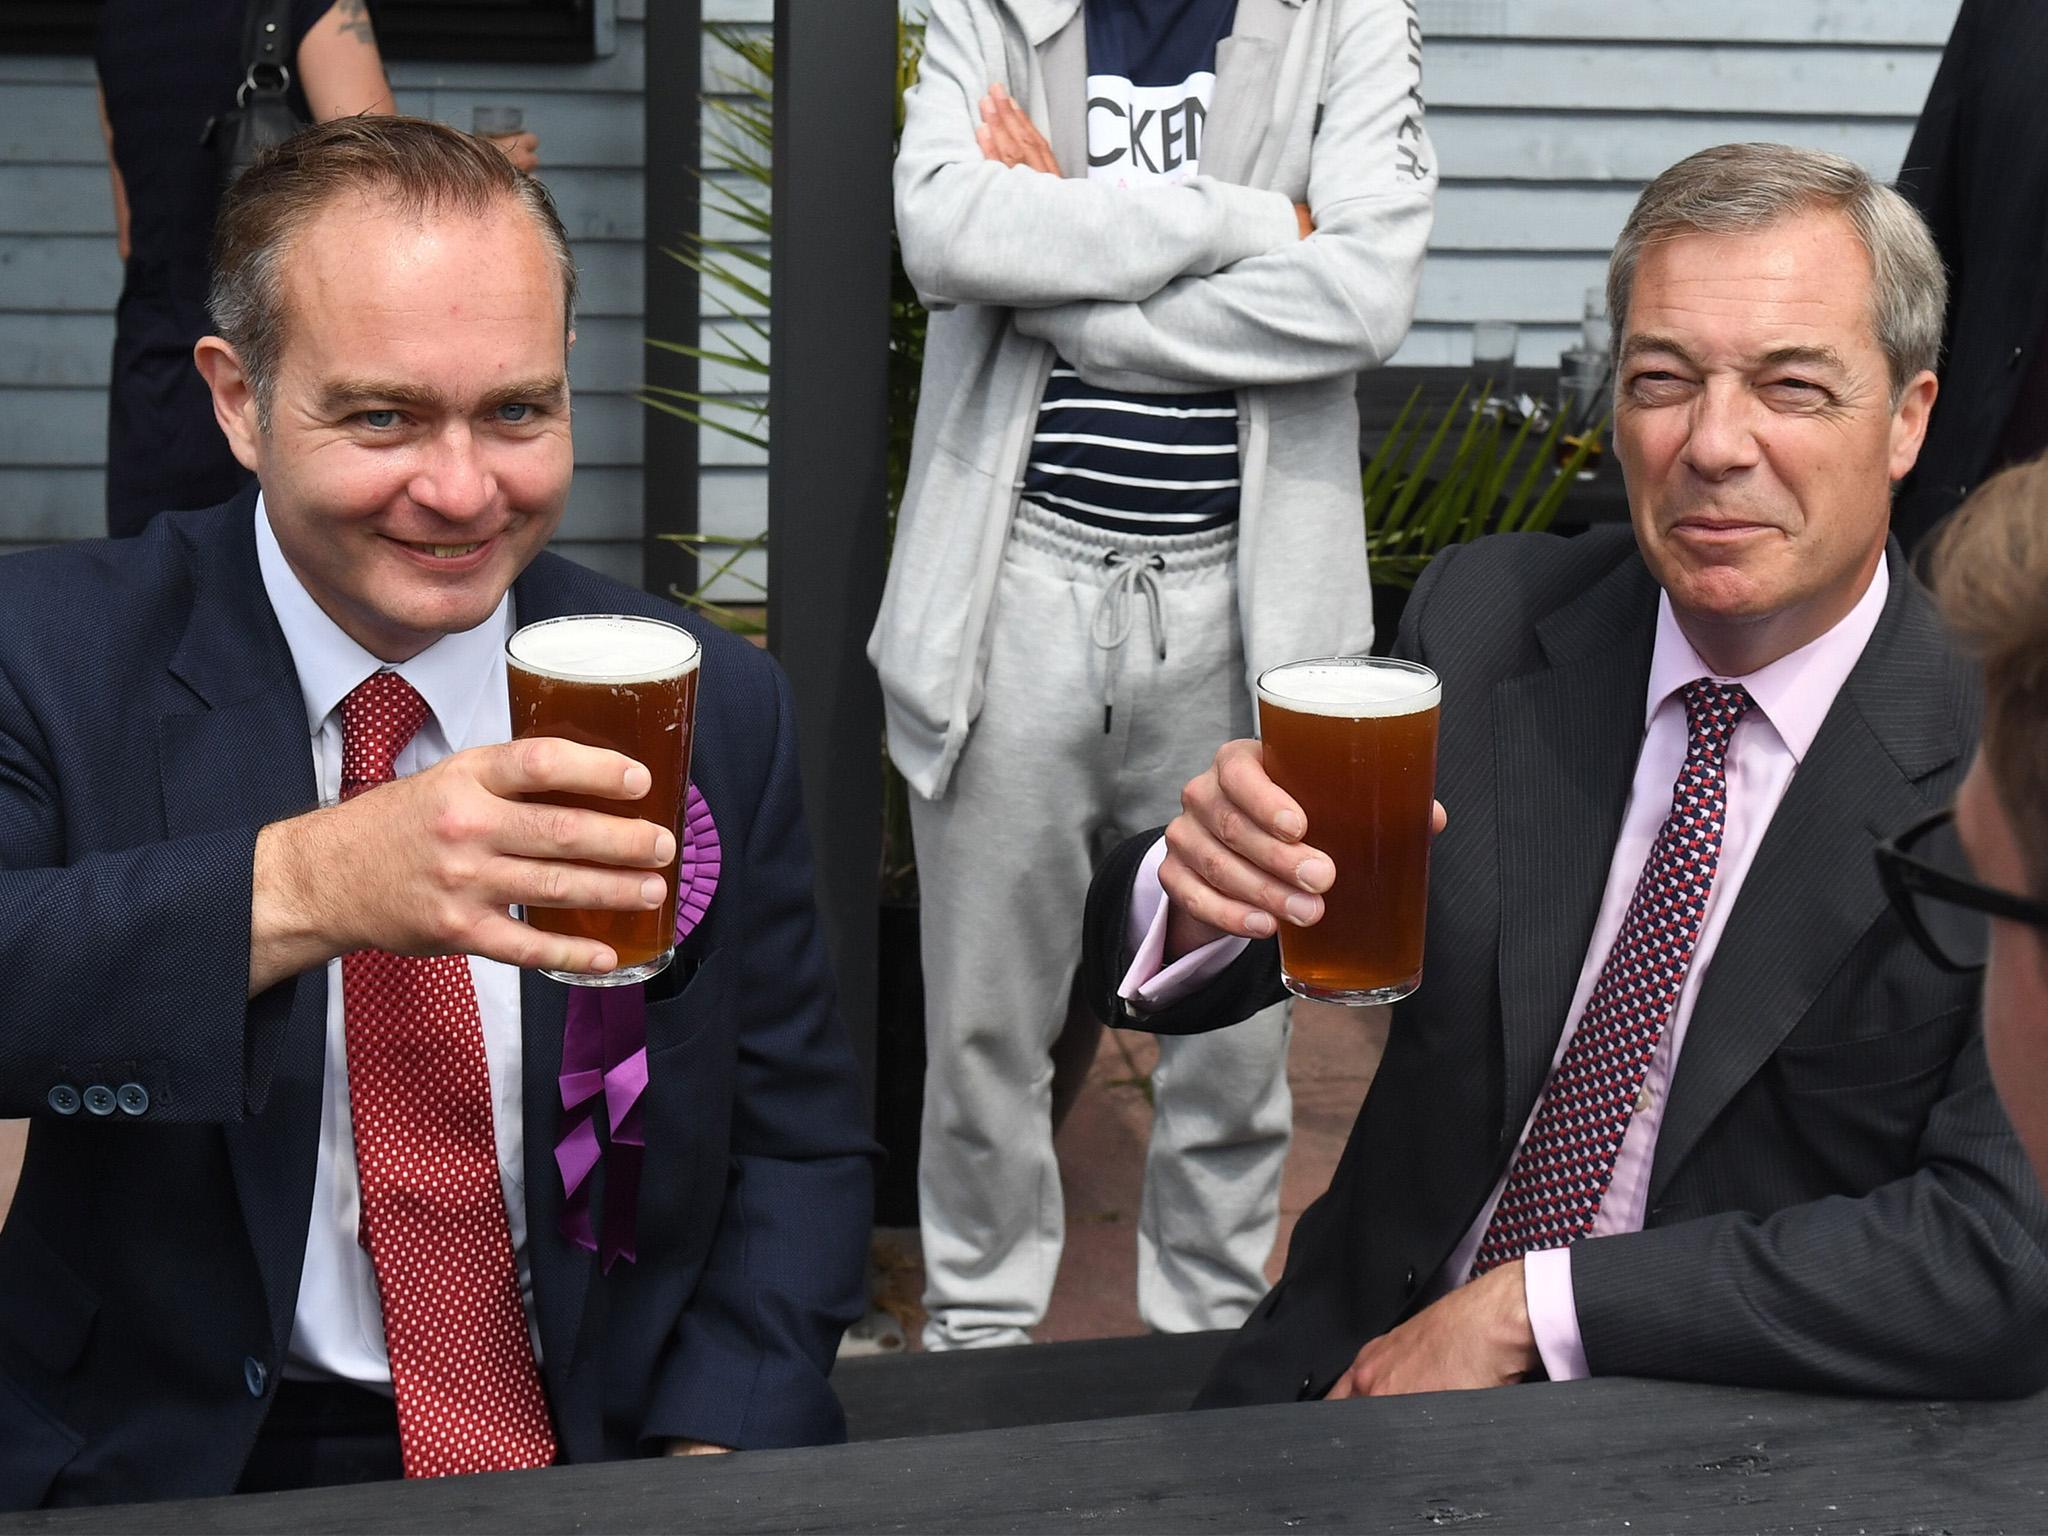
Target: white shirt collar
{"x":453,"y":675}
{"x":1795,"y":692}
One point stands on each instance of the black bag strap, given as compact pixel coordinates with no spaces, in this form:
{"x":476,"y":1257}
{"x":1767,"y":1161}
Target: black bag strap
{"x":266,"y":49}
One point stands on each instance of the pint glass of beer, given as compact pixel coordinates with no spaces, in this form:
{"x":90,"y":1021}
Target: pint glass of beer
{"x":630,"y":684}
{"x":1353,"y":740}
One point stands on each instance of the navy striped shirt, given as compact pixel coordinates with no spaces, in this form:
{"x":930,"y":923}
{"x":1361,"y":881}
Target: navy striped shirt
{"x":1126,"y":462}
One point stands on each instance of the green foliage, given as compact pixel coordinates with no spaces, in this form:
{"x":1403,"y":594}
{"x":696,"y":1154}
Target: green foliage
{"x":741,"y":142}
{"x":731,"y":274}
{"x":741,"y":620}
{"x":1417,"y":501}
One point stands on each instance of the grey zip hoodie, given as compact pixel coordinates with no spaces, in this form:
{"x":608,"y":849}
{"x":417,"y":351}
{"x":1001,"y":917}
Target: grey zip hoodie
{"x":1169,"y":289}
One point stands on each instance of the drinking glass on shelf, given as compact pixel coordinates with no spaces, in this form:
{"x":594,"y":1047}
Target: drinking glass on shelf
{"x":497,"y":123}
{"x":1493,"y":356}
{"x":1596,"y":331}
{"x":1583,"y":400}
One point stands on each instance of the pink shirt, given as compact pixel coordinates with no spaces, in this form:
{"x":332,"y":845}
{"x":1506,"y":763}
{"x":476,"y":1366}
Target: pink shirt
{"x":1792,"y":696}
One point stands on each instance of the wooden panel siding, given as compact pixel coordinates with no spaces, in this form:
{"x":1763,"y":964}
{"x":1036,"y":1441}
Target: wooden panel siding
{"x":59,"y":278}
{"x":1550,"y":115}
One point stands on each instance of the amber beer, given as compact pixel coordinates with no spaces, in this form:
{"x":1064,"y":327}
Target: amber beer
{"x":1353,"y":740}
{"x":630,"y":684}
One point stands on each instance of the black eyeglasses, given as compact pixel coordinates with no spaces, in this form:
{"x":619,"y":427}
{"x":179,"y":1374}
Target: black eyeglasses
{"x":1926,"y":875}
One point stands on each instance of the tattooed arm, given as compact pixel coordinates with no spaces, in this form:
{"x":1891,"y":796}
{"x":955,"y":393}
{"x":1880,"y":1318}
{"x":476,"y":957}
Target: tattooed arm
{"x":120,"y":186}
{"x":339,"y":65}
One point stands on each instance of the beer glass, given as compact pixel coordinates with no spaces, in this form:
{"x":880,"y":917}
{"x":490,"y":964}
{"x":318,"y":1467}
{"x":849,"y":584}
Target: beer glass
{"x":497,"y":123}
{"x":630,"y":684}
{"x":1353,"y":740}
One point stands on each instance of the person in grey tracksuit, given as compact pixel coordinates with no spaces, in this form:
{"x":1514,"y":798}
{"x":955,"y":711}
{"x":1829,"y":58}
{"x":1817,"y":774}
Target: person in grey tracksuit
{"x":1158,"y":238}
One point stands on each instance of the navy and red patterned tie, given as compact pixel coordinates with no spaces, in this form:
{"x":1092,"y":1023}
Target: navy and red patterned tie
{"x":1562,"y":1171}
{"x":433,"y":1211}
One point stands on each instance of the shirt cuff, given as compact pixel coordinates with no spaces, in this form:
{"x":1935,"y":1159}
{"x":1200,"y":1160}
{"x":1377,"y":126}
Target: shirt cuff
{"x":1146,"y":986}
{"x":1553,"y":1313}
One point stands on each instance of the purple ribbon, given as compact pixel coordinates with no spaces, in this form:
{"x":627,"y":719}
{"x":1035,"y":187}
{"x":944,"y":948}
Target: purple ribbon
{"x":604,"y":1055}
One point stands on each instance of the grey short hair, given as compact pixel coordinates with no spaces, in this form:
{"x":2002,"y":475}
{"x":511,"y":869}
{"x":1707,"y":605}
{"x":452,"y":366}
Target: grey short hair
{"x":420,"y":166}
{"x":1737,"y":188}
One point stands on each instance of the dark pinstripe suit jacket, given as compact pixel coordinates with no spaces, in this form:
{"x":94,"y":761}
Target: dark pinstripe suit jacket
{"x":1836,"y":1199}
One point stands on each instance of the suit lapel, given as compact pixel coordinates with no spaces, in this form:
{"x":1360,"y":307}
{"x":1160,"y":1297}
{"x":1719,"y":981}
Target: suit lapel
{"x":1812,"y":890}
{"x":1241,"y":109}
{"x":560,"y":1269}
{"x":1566,"y":741}
{"x":241,"y":758}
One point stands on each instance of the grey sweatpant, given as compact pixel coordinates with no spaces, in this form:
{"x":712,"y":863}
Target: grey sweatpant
{"x":1004,"y":859}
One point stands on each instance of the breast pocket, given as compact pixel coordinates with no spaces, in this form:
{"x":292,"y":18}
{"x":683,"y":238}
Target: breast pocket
{"x":683,"y":1002}
{"x":1918,"y":1053}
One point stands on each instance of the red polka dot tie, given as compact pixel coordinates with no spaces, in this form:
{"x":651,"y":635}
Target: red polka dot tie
{"x":433,"y":1211}
{"x":1564,"y":1167}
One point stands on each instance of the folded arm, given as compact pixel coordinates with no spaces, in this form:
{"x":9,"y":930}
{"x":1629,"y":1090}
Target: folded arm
{"x":1323,"y":307}
{"x":977,"y":231}
{"x":788,"y":1266}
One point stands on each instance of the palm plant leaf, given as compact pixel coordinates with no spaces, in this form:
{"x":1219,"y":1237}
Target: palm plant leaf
{"x":1424,"y":490}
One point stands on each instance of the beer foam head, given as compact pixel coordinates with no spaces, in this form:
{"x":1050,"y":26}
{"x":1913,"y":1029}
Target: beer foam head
{"x":604,"y":648}
{"x":1351,"y":689}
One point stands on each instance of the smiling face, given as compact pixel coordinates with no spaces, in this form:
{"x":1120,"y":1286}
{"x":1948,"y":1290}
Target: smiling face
{"x":1754,"y":423}
{"x":417,"y":455}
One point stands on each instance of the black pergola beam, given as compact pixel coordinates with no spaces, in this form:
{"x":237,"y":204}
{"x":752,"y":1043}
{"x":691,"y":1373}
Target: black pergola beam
{"x":668,"y":476}
{"x":835,"y":73}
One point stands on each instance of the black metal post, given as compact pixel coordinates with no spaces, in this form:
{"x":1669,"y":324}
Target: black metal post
{"x":835,"y":74}
{"x":668,"y":469}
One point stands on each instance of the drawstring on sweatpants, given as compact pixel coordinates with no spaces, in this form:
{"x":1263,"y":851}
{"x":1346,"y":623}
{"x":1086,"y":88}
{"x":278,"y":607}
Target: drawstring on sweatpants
{"x":1115,"y":613}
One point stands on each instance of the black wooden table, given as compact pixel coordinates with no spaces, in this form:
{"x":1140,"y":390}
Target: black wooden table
{"x":1613,"y":1456}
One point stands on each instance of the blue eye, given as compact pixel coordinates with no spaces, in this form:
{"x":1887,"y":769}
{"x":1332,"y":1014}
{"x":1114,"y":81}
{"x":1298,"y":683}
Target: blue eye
{"x":515,"y":414}
{"x":380,"y":421}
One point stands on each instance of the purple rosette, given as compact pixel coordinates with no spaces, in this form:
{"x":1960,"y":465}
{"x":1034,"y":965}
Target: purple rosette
{"x":604,"y":1057}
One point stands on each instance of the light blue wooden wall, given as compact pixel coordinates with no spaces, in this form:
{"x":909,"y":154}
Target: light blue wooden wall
{"x":59,"y":277}
{"x":1548,"y":115}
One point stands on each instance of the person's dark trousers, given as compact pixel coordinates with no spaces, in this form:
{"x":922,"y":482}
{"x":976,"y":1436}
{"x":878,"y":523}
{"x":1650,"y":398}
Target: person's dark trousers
{"x":165,"y":451}
{"x":321,"y":1433}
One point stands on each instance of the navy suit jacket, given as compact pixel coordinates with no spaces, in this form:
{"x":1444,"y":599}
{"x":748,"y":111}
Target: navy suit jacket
{"x":151,"y":723}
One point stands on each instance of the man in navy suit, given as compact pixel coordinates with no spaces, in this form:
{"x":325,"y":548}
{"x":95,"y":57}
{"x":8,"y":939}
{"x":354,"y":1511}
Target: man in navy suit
{"x":191,"y":1298}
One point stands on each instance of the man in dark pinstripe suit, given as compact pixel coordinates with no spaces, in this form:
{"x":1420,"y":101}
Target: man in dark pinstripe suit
{"x":1803,"y":1177}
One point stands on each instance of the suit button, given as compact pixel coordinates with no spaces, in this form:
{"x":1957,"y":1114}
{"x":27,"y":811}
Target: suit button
{"x":64,"y":1099}
{"x":254,"y":1375}
{"x":2013,"y":359}
{"x":1408,"y":1281}
{"x":133,"y":1099}
{"x":99,"y":1100}
{"x":1301,"y":1393}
